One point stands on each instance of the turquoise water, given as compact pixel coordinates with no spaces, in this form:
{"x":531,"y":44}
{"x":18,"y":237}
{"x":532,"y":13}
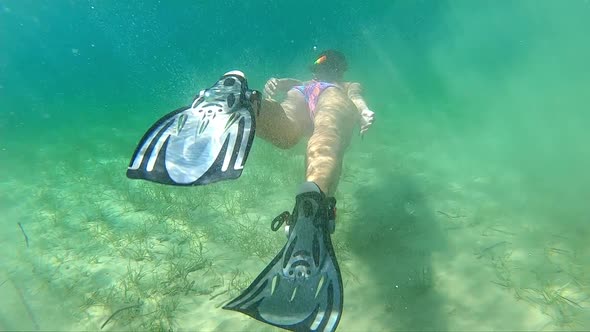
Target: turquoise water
{"x":465,"y":207}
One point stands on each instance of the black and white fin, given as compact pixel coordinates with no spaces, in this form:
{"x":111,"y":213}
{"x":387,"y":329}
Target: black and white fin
{"x":201,"y":144}
{"x":301,"y":288}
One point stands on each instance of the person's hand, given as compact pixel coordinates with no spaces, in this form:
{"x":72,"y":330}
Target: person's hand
{"x":270,"y":88}
{"x":367,"y":119}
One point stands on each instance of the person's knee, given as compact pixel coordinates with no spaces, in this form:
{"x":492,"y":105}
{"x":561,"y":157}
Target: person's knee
{"x":287,"y":142}
{"x":282,"y":140}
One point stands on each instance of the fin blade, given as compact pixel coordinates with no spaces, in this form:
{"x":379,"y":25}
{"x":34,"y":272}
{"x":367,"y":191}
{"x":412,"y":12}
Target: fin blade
{"x":307,"y":296}
{"x":175,"y":151}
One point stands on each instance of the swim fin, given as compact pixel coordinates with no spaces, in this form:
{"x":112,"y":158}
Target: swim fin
{"x":206,"y":142}
{"x":301,"y":288}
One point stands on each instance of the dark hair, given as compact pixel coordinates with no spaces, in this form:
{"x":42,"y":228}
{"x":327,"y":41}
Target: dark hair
{"x":329,"y":62}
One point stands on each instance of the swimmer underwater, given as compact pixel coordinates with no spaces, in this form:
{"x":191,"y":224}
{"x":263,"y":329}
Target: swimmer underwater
{"x":209,"y":141}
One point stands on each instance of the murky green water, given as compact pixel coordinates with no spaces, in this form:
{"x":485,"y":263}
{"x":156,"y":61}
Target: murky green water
{"x":464,"y":208}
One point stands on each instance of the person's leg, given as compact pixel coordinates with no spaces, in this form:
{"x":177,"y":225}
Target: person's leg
{"x":283,"y":124}
{"x":334,"y":122}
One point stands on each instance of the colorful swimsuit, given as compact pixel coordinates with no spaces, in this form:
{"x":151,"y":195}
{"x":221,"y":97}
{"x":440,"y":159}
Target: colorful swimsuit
{"x":312,"y":91}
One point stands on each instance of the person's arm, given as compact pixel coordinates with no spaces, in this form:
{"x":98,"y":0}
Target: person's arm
{"x":279,"y":85}
{"x":355,"y":94}
{"x":367,"y":116}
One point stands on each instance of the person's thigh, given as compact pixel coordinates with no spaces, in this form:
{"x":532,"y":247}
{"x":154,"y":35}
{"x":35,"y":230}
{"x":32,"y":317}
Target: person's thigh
{"x":335,"y":115}
{"x":334,"y":122}
{"x":283,"y":124}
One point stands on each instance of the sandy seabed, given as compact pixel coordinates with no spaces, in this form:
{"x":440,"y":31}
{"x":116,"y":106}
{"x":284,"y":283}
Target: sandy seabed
{"x":420,"y":247}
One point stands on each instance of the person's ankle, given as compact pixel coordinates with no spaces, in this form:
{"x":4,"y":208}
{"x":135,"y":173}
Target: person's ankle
{"x":309,"y":186}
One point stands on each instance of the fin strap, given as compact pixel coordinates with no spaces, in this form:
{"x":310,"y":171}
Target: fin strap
{"x":280,"y":220}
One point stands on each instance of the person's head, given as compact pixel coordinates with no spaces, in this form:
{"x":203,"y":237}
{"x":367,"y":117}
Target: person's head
{"x":329,"y":66}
